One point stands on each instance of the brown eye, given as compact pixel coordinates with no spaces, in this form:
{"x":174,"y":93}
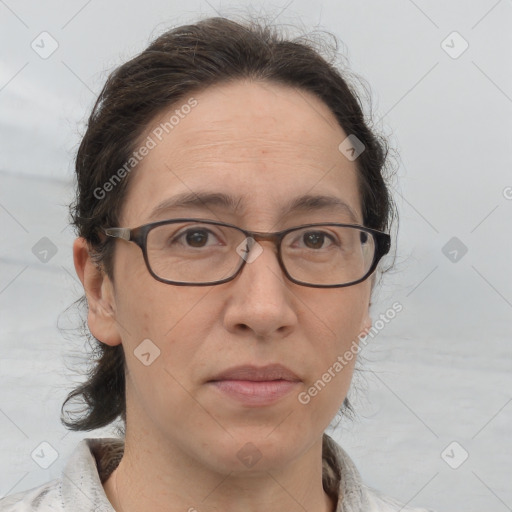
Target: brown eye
{"x":196,"y":238}
{"x":314,"y":239}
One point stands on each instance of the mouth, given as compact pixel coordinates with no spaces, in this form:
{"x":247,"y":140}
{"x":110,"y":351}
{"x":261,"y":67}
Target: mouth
{"x":256,"y":386}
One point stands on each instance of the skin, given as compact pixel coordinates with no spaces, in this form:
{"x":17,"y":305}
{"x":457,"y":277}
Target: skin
{"x":265,"y":144}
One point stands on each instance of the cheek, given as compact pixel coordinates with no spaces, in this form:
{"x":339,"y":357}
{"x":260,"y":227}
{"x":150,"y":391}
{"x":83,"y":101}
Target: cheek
{"x":175,"y":320}
{"x":150,"y":308}
{"x":341,"y":315}
{"x":338,"y":319}
{"x":172,"y":326}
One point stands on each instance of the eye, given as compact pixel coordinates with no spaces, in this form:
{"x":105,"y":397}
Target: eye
{"x":196,"y":237}
{"x":316,"y":239}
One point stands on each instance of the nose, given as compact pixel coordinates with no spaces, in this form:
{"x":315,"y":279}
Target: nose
{"x":261,"y":301}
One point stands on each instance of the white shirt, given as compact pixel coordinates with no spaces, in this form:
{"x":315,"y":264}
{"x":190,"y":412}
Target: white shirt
{"x":80,"y":488}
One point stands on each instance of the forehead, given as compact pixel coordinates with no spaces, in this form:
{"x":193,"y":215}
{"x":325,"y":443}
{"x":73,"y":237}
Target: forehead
{"x":262,"y":144}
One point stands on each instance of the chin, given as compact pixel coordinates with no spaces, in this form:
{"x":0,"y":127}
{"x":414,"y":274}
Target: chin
{"x":256,"y":449}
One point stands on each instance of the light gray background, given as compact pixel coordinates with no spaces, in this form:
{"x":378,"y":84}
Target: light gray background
{"x":439,"y":372}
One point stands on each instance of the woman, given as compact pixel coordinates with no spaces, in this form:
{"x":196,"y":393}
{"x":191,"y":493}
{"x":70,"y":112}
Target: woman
{"x":231,"y":212}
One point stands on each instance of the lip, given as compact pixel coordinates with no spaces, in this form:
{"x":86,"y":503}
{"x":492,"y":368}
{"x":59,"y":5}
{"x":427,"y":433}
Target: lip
{"x":257,"y":373}
{"x":256,"y":386}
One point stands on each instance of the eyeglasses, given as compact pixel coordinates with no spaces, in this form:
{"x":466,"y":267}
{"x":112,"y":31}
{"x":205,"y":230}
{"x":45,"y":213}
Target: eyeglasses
{"x":196,"y":252}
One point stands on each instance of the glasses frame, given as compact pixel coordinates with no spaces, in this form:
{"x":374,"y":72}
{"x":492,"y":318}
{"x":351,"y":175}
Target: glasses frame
{"x":139,"y":236}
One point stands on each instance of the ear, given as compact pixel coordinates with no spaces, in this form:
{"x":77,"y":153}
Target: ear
{"x":99,"y":291}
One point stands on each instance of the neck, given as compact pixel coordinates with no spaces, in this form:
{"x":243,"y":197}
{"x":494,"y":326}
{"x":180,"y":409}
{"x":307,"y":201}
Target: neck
{"x":161,"y":478}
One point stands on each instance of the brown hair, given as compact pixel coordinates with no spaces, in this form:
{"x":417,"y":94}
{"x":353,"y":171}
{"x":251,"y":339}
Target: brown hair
{"x":181,"y":61}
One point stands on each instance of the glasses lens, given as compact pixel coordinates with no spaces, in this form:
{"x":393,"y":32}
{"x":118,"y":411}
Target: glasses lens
{"x":194,"y":252}
{"x":328,"y":255}
{"x":199,"y":252}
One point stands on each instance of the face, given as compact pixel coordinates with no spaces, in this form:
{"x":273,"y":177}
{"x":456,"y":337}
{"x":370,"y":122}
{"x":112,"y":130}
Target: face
{"x":265,"y":145}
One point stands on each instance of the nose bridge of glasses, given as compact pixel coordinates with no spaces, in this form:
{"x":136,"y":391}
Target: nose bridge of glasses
{"x":254,"y":237}
{"x":260,"y":236}
{"x":253,"y":248}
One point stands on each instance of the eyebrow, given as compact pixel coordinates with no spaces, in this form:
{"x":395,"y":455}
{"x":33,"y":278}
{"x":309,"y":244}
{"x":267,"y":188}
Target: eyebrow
{"x":311,"y":203}
{"x":207,"y":200}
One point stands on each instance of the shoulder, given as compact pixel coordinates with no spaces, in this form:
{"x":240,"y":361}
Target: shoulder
{"x":379,"y":502}
{"x":46,"y":497}
{"x":80,"y":486}
{"x":342,"y":478}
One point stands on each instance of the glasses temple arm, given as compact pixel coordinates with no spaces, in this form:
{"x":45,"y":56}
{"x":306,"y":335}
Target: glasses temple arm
{"x":124,"y":233}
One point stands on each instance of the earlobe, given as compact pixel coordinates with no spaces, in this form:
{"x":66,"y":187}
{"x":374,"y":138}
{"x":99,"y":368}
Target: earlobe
{"x":99,"y":292}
